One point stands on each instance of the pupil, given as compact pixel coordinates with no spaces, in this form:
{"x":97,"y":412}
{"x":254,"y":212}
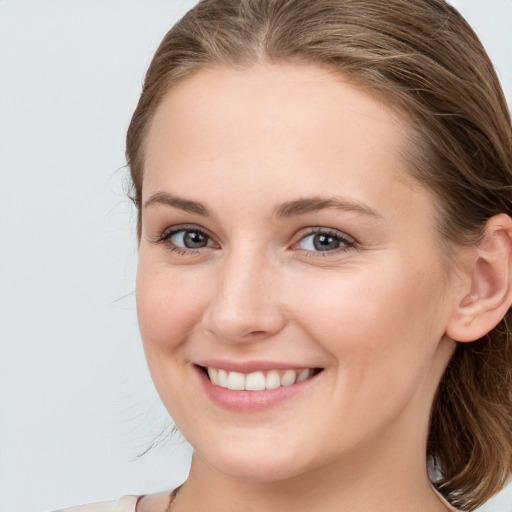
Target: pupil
{"x":325,"y":242}
{"x":193,"y":240}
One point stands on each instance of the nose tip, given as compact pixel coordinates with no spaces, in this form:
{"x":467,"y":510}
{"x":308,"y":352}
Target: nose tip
{"x":238,"y":328}
{"x":245,"y":306}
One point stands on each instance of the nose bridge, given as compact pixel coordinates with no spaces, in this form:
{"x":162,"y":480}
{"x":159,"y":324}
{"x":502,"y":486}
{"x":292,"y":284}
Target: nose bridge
{"x":245,"y":304}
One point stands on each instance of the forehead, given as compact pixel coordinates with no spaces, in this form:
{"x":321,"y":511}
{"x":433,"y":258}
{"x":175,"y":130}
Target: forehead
{"x":288,"y":123}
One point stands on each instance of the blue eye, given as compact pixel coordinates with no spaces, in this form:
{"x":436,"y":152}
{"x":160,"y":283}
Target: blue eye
{"x":325,"y":241}
{"x":189,"y":239}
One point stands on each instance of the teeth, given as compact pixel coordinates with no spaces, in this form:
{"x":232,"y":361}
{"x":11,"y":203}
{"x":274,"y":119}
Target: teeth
{"x":289,"y":377}
{"x":257,"y":381}
{"x":273,"y":380}
{"x":236,"y":381}
{"x":303,"y":375}
{"x":223,"y":378}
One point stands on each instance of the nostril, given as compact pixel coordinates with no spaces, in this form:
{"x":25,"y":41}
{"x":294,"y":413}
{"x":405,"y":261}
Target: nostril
{"x":255,"y":334}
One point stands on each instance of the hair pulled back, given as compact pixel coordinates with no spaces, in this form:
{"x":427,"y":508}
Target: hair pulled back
{"x":423,"y":58}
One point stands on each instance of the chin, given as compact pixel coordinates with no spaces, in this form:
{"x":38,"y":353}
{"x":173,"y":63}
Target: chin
{"x":259,"y":471}
{"x":255,"y":464}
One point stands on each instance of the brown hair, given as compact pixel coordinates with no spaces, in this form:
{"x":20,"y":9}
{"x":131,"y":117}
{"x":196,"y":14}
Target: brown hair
{"x":425,"y":59}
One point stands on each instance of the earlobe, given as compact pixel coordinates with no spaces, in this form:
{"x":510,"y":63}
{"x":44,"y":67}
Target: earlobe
{"x":489,"y":293}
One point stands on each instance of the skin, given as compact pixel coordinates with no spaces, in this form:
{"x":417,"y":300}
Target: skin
{"x":373,"y":312}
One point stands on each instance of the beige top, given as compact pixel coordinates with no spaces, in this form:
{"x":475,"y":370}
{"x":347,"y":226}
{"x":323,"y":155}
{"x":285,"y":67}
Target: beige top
{"x":129,"y":504}
{"x":124,"y":504}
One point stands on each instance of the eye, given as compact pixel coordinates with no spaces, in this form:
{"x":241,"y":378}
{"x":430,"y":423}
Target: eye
{"x":184,"y":240}
{"x":324,"y":240}
{"x":189,"y":239}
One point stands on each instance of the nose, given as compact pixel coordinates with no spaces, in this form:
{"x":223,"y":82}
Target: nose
{"x":245,"y":304}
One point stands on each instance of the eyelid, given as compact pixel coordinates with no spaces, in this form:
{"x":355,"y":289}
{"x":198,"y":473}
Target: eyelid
{"x":171,"y":230}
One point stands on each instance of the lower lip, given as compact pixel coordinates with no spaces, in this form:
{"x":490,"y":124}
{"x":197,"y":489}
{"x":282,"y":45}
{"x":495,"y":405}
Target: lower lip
{"x":250,"y":401}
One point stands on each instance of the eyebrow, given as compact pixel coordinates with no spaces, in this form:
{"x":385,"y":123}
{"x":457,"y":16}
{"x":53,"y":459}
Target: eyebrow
{"x":186,"y":205}
{"x":289,"y":209}
{"x":313,"y":204}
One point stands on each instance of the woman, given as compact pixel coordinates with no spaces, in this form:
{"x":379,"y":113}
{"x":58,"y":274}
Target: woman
{"x":324,"y":278}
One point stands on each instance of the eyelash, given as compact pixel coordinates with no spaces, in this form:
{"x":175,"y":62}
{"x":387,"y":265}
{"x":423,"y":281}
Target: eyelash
{"x":347,"y":241}
{"x":165,"y":236}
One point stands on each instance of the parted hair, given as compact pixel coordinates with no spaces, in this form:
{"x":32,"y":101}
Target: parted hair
{"x":423,"y":58}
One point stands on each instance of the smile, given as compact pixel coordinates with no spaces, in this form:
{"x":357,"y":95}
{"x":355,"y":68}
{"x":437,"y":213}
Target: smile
{"x":260,"y":380}
{"x":250,"y":387}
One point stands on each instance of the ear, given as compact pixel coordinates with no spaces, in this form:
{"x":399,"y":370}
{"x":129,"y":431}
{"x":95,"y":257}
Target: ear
{"x":487,"y":294}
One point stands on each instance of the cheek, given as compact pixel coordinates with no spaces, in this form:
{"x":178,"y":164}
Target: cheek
{"x":386,"y":317}
{"x":168,"y":308}
{"x":169,"y":304}
{"x":382,"y":333}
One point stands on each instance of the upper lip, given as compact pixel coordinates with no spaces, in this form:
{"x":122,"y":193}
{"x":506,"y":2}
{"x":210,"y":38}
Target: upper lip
{"x":250,"y":366}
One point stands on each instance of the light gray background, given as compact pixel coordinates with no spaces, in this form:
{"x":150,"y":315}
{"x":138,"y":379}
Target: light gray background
{"x":76,"y":400}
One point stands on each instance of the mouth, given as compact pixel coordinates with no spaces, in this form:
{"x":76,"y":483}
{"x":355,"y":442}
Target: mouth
{"x":259,"y":380}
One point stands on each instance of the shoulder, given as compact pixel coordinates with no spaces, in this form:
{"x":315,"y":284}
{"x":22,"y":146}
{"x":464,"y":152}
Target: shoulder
{"x":124,"y":504}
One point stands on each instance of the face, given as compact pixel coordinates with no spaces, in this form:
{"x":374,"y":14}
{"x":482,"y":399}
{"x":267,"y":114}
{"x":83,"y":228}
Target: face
{"x":286,"y":251}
